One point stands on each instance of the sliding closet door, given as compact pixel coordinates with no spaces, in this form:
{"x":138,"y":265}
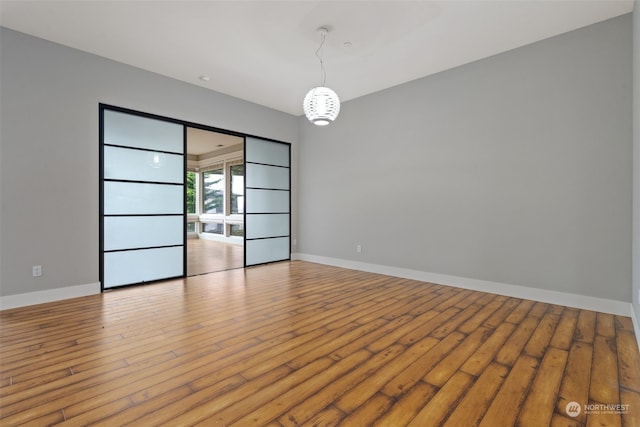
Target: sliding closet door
{"x":268,"y":201}
{"x":142,"y":199}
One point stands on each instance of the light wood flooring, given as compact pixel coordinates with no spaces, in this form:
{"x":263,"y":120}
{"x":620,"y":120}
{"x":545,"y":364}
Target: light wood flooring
{"x":297,"y":343}
{"x":207,"y":256}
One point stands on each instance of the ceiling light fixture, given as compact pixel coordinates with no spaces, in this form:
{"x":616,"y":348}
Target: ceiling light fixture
{"x":321,"y":105}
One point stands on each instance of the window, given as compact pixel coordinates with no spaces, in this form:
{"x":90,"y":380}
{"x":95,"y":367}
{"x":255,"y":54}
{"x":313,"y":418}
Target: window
{"x":191,"y":192}
{"x":213,"y":191}
{"x":215,"y":200}
{"x":213,"y":227}
{"x":237,"y":189}
{"x":236,"y":230}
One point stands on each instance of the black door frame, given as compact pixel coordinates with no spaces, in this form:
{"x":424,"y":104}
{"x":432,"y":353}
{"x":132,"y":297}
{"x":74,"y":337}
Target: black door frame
{"x":186,"y":124}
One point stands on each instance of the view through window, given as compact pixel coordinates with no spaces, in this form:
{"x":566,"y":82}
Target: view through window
{"x":213,"y":191}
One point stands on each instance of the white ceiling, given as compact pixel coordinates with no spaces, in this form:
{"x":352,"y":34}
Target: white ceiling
{"x":264,"y":51}
{"x":201,"y":141}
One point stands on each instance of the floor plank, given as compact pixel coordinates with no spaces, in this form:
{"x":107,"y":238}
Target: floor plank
{"x":506,"y":406}
{"x":538,"y":407}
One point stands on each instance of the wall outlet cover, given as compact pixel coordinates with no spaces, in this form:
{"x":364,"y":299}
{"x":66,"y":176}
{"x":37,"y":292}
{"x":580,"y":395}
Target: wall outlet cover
{"x":36,"y":270}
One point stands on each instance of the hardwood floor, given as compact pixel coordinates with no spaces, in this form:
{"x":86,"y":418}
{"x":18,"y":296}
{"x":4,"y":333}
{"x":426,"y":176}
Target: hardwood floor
{"x":297,"y":343}
{"x":207,"y":256}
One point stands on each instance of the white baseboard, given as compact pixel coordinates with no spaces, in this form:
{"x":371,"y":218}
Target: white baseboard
{"x":552,"y":297}
{"x":234,"y":240}
{"x":39,"y":297}
{"x":636,"y":326}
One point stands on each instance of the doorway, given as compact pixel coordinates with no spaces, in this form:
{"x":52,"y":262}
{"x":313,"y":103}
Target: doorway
{"x":214,"y":201}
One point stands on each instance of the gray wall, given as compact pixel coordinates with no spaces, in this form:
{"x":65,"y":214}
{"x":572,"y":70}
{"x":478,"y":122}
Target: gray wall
{"x":513,"y":169}
{"x":636,"y":158}
{"x":49,"y":150}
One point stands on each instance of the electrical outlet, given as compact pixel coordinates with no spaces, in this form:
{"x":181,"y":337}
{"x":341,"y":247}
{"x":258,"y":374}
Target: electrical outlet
{"x":358,"y":248}
{"x":36,"y":270}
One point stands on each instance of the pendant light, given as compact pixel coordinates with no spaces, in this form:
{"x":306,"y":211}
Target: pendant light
{"x":321,"y":105}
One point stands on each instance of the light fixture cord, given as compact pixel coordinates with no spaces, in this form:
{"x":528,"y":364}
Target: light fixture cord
{"x":319,"y":52}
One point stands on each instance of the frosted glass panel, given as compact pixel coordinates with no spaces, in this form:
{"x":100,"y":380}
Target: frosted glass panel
{"x":139,"y":165}
{"x":131,"y":232}
{"x":267,"y":176}
{"x":267,"y":250}
{"x":128,"y":267}
{"x":136,"y":131}
{"x":270,"y":225}
{"x":267,"y":201}
{"x":144,"y":241}
{"x":136,"y":198}
{"x":268,"y":152}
